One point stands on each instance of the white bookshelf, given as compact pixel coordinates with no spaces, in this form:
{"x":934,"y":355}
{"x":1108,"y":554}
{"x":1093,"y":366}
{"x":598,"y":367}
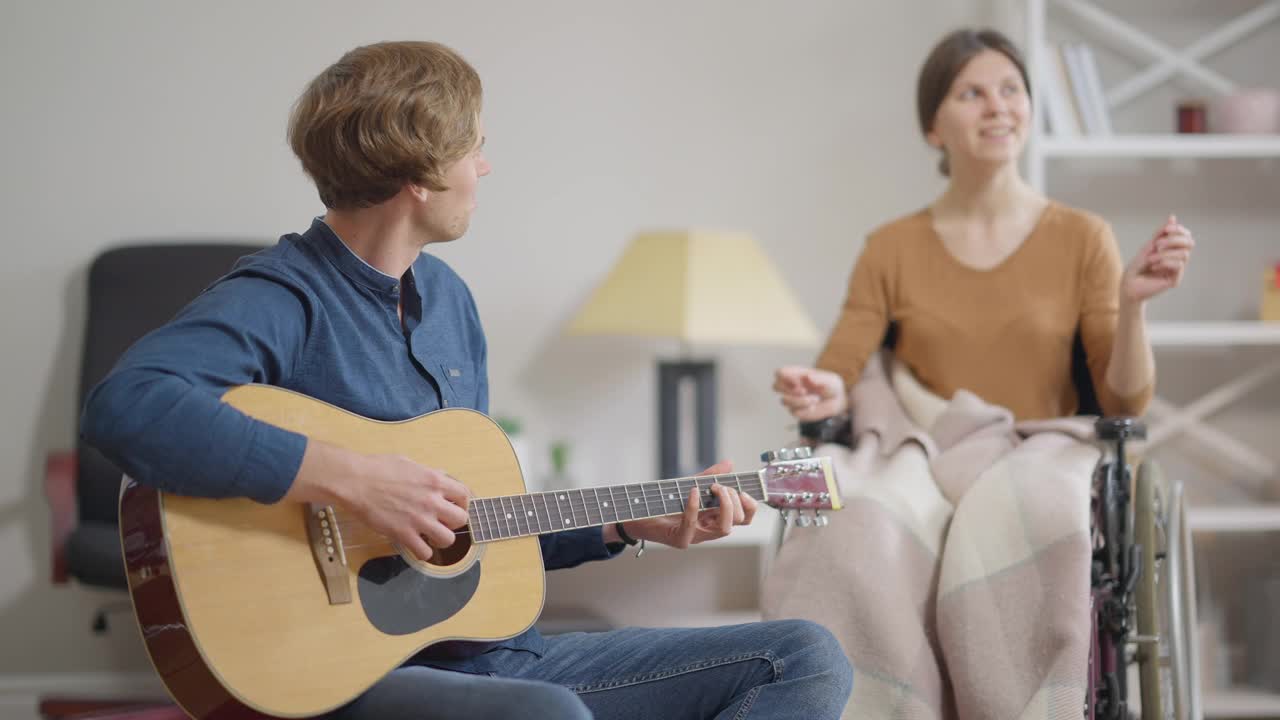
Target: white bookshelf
{"x":1241,"y":703}
{"x":1166,"y":63}
{"x":1213,"y":334}
{"x":1046,"y":155}
{"x":1241,"y":519}
{"x":1162,"y":146}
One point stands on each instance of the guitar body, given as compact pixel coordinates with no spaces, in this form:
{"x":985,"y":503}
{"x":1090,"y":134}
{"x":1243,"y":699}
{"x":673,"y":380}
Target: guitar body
{"x":231,"y":595}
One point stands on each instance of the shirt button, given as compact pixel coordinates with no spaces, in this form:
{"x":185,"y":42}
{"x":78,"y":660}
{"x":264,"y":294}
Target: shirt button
{"x":395,"y":288}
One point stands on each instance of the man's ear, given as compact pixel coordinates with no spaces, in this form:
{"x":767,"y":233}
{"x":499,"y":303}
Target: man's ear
{"x":418,"y":192}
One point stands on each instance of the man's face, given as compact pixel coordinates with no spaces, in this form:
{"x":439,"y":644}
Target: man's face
{"x":447,"y":214}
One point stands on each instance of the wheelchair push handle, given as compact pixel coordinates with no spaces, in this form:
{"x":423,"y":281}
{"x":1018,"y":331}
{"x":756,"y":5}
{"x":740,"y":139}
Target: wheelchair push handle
{"x":1113,"y":429}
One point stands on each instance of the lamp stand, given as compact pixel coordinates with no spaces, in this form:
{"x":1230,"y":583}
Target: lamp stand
{"x":673,"y":419}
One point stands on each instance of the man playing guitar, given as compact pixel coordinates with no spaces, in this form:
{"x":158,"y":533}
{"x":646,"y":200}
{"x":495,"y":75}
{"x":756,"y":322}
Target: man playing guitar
{"x":353,"y":313}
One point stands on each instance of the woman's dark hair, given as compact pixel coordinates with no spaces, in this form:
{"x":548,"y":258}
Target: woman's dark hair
{"x":945,"y":62}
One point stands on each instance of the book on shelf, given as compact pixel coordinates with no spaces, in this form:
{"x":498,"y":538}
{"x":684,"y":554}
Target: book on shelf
{"x":1075,"y":103}
{"x":1060,"y":109}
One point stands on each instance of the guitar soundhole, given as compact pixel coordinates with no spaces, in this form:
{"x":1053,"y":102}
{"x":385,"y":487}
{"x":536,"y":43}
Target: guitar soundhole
{"x":444,"y":557}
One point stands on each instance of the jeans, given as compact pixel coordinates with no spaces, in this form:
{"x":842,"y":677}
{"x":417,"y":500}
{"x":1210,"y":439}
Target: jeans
{"x":781,"y":669}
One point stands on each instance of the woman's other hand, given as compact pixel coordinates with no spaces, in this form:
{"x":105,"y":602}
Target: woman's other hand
{"x":810,"y":393}
{"x":1160,"y":263}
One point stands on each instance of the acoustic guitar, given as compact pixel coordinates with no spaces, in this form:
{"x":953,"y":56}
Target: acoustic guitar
{"x":289,"y":610}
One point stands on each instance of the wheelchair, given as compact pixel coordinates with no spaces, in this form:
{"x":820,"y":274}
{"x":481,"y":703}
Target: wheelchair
{"x":1142,"y":595}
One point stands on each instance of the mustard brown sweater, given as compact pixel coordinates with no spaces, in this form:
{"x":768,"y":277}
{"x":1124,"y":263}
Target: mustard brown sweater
{"x":1004,"y":333}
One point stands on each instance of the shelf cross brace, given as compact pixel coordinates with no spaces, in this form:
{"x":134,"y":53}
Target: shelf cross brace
{"x":1168,"y":62}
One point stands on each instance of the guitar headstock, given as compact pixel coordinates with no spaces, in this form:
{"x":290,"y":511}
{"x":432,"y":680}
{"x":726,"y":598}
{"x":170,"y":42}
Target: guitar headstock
{"x":796,"y":482}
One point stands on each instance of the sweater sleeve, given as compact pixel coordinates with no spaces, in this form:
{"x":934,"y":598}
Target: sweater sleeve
{"x":1099,"y":311}
{"x":864,"y":318}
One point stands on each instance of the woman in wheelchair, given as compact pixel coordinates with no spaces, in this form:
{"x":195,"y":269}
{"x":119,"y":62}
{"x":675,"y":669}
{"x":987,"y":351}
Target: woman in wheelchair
{"x":957,"y":577}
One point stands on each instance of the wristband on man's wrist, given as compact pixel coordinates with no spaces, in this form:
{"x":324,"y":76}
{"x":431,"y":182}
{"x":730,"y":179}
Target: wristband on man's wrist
{"x":624,"y":537}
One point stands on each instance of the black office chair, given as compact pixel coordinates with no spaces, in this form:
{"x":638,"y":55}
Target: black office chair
{"x":132,"y":290}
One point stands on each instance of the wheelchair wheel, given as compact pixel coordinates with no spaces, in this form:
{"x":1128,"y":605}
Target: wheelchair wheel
{"x":1167,"y":674}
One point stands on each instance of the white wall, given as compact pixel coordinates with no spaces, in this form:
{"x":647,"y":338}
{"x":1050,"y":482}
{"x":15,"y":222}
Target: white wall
{"x":151,"y":121}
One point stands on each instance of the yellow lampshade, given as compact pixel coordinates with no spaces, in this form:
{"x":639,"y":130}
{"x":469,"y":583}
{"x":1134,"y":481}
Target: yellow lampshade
{"x":700,"y":287}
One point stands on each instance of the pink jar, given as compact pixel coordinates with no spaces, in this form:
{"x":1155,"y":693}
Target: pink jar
{"x":1247,"y":112}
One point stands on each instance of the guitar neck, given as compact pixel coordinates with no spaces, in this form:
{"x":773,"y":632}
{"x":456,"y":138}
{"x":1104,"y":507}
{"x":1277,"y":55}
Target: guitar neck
{"x":511,"y":516}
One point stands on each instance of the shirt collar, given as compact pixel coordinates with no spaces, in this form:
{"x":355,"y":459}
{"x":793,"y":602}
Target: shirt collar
{"x":322,"y":237}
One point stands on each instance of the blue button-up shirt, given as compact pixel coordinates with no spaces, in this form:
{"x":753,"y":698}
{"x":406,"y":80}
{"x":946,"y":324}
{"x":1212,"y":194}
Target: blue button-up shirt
{"x":311,"y":316}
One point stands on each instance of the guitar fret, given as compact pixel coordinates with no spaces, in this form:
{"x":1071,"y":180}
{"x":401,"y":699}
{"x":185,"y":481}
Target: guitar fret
{"x":737,"y":484}
{"x":563,"y":522}
{"x":581,"y":501}
{"x":477,"y":523}
{"x":481,"y":528}
{"x":491,"y":522}
{"x":546,"y":510}
{"x":574,"y":513}
{"x":537,"y":519}
{"x":473,"y":520}
{"x":515,"y":514}
{"x":509,"y":517}
{"x":495,"y":511}
{"x":494,"y":517}
{"x":586,"y":508}
{"x":599,"y":508}
{"x":613,"y":505}
{"x":524,"y":510}
{"x":509,"y":504}
{"x":589,"y":503}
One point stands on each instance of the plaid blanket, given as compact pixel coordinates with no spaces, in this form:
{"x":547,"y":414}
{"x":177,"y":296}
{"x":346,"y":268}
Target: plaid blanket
{"x":957,"y":576}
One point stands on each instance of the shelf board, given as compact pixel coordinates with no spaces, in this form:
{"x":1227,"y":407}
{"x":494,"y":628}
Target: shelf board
{"x":1246,"y":518}
{"x":1139,"y":146}
{"x":1211,"y":334}
{"x":1241,"y":703}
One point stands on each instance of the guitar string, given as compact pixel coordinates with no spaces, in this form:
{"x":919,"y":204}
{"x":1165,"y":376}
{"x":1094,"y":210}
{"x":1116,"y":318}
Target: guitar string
{"x":650,"y":500}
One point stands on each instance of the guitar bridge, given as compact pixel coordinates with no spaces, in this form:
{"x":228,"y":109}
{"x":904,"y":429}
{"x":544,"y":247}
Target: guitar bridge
{"x":326,"y":548}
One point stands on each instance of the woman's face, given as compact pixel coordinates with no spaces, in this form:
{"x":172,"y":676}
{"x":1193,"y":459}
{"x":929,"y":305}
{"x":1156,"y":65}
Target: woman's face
{"x":985,"y":117}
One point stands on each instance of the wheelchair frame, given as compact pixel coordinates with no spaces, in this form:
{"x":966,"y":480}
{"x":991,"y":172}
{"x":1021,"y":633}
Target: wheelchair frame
{"x":1142,"y":600}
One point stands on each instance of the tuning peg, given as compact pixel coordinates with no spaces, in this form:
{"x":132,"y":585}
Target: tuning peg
{"x":819,"y":519}
{"x":786,"y":516}
{"x":804,"y":521}
{"x":799,"y":453}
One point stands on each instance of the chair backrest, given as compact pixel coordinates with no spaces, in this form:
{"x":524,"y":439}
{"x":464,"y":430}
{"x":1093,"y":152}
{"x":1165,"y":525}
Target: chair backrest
{"x":133,"y":290}
{"x":1087,"y":395}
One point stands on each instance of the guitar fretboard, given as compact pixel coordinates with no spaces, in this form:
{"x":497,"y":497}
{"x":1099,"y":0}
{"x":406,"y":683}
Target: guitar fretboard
{"x":510,"y":516}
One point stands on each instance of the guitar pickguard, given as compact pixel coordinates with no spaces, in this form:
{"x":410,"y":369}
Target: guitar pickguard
{"x":399,"y":600}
